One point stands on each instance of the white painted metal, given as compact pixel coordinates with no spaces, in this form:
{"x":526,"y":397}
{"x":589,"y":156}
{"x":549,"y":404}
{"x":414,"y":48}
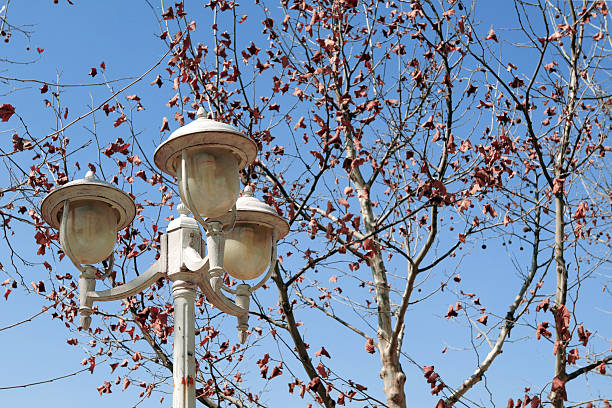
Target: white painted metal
{"x":88,"y":188}
{"x":181,"y":254}
{"x":183,"y":371}
{"x":131,"y":288}
{"x":204,"y":132}
{"x":87,"y":284}
{"x":243,"y":297}
{"x":249,"y":209}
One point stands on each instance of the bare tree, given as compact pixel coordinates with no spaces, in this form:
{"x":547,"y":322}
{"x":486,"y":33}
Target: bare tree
{"x":397,"y":141}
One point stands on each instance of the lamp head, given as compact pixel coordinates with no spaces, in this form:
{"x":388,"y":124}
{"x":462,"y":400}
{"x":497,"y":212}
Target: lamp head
{"x":248,"y":247}
{"x":215,"y":152}
{"x":96,"y":211}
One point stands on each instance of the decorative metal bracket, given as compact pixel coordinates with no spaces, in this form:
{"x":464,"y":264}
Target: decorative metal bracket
{"x":87,"y":286}
{"x":180,"y":264}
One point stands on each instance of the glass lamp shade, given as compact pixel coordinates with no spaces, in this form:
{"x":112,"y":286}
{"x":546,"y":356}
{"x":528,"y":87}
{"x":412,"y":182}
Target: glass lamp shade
{"x":91,"y":230}
{"x":212,"y":180}
{"x":248,"y":249}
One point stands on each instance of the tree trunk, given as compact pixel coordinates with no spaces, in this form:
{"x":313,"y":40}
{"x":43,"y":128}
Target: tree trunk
{"x":391,"y":370}
{"x":560,"y":298}
{"x":394,"y":378}
{"x":561,"y":174}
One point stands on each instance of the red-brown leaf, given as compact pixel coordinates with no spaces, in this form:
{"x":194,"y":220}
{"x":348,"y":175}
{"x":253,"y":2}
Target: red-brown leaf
{"x":558,"y":386}
{"x":369,"y":346}
{"x":165,"y":125}
{"x":6,"y":111}
{"x":157,"y":81}
{"x":451,"y":312}
{"x":169,"y":14}
{"x":322,"y":352}
{"x":120,"y":120}
{"x":321,"y":370}
{"x":491,"y":36}
{"x":583,"y":335}
{"x":276,"y":371}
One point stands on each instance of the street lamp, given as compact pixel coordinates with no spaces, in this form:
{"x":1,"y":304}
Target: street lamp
{"x":241,"y":235}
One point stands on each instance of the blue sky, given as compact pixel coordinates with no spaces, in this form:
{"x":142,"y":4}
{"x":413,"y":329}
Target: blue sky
{"x":124,"y":36}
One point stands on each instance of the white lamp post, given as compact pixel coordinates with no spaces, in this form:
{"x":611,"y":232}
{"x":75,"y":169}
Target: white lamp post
{"x":205,"y":156}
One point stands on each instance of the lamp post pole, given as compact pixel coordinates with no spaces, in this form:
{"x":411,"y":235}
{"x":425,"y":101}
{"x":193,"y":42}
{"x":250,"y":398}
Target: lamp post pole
{"x":183,"y":232}
{"x":183,"y":369}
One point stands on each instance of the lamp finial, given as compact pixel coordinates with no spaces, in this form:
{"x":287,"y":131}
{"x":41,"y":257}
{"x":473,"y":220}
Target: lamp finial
{"x":247,"y":191}
{"x":182,"y":209}
{"x":201,"y":113}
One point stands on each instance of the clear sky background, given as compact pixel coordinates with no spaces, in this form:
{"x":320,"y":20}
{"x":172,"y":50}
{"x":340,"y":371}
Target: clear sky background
{"x":124,"y":34}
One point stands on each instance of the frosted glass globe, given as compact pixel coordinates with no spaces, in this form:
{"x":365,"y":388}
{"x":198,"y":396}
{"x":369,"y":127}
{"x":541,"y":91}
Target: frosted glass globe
{"x":91,"y":230}
{"x":212,"y":180}
{"x":247,"y":251}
